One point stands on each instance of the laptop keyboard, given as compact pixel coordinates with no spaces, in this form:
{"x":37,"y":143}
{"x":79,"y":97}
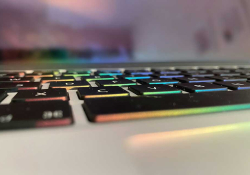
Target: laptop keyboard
{"x":115,"y":95}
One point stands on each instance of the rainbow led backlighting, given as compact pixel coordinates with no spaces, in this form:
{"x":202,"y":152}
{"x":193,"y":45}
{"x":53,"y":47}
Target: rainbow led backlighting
{"x":169,"y":113}
{"x":158,"y":93}
{"x":106,"y":95}
{"x":174,"y":82}
{"x":94,"y":79}
{"x":69,"y":87}
{"x":211,"y":90}
{"x":135,"y":78}
{"x":110,"y":74}
{"x":76,"y":75}
{"x":131,"y":84}
{"x":46,"y":81}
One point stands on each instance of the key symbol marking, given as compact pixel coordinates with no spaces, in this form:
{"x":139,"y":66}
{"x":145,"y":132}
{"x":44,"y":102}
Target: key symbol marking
{"x":102,"y":90}
{"x":192,"y":79}
{"x":237,"y":84}
{"x":97,"y":77}
{"x":153,"y":88}
{"x":19,"y":85}
{"x":115,"y":81}
{"x":41,"y":94}
{"x":57,"y":78}
{"x":69,"y":83}
{"x":199,"y":86}
{"x":6,"y":118}
{"x":15,"y":79}
{"x":156,"y":80}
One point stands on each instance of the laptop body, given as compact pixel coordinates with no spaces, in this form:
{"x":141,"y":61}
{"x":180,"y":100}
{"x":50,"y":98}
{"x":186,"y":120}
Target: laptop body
{"x":121,"y":140}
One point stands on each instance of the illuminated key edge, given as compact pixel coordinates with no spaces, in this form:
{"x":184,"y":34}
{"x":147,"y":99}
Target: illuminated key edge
{"x":165,"y":83}
{"x":109,"y":74}
{"x":168,"y":113}
{"x":68,"y":87}
{"x":93,"y":79}
{"x":131,"y":84}
{"x":135,"y":78}
{"x":106,"y":95}
{"x":211,"y":90}
{"x":47,"y":81}
{"x":165,"y":92}
{"x":75,"y":75}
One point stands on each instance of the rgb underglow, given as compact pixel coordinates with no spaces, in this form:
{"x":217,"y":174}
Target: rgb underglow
{"x":106,"y":95}
{"x":211,"y":90}
{"x":94,"y":79}
{"x":169,"y":113}
{"x":70,"y":87}
{"x":165,"y":92}
{"x":165,"y":83}
{"x":76,"y":75}
{"x":109,"y":74}
{"x":46,"y":81}
{"x":202,"y":81}
{"x":131,"y":84}
{"x":135,"y":78}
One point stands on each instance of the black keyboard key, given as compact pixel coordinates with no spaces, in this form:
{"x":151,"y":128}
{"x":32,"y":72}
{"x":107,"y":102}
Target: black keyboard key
{"x":200,"y":87}
{"x":158,"y":81}
{"x":3,"y":95}
{"x":76,"y":73}
{"x":198,"y":74}
{"x":195,"y":80}
{"x":56,"y":79}
{"x":153,"y":90}
{"x":96,"y":92}
{"x":236,"y":85}
{"x":137,"y":72}
{"x":41,"y":95}
{"x":118,"y":82}
{"x":34,"y":115}
{"x":16,"y":80}
{"x":20,"y":86}
{"x":134,"y":77}
{"x":10,"y":75}
{"x":229,"y":78}
{"x":227,"y":74}
{"x":69,"y":85}
{"x":195,"y":71}
{"x":40,"y":75}
{"x":217,"y":71}
{"x":94,"y":78}
{"x":167,"y":76}
{"x":166,"y":71}
{"x":118,"y":109}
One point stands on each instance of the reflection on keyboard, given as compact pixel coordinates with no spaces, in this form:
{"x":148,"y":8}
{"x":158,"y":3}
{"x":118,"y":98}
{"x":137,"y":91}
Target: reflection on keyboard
{"x":114,"y":95}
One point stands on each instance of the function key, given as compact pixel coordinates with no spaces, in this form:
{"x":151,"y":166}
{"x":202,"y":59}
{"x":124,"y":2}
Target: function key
{"x":20,"y":86}
{"x":154,"y":90}
{"x":134,"y":77}
{"x":200,"y":87}
{"x":94,"y":78}
{"x":195,"y":80}
{"x":101,"y":92}
{"x":236,"y":85}
{"x":138,"y":72}
{"x":16,"y":80}
{"x":167,"y":75}
{"x":199,"y":74}
{"x":166,"y":71}
{"x":53,"y":79}
{"x":34,"y":115}
{"x":118,"y":82}
{"x":69,"y":85}
{"x":109,"y":73}
{"x":76,"y":73}
{"x":41,"y":95}
{"x":229,"y":78}
{"x":158,"y":81}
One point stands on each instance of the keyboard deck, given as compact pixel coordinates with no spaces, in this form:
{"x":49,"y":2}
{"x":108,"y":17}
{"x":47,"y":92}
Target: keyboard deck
{"x":40,"y":98}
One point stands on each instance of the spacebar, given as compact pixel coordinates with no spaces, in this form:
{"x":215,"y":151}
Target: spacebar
{"x":128,"y":108}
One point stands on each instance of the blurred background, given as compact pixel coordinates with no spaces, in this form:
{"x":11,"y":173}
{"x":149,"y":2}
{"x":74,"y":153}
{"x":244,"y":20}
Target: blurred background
{"x":121,"y":31}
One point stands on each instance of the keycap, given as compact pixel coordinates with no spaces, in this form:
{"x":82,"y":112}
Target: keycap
{"x":227,"y":74}
{"x":20,"y":86}
{"x":167,"y":75}
{"x":194,"y":79}
{"x":16,"y":80}
{"x":35,"y":115}
{"x":236,"y":85}
{"x":96,"y":92}
{"x":41,"y":95}
{"x":138,"y":72}
{"x":198,"y":74}
{"x":108,"y":73}
{"x":118,"y":82}
{"x":3,"y":95}
{"x":195,"y":71}
{"x":76,"y":73}
{"x":142,"y":107}
{"x":166,"y":71}
{"x":10,"y":75}
{"x":158,"y":81}
{"x":200,"y":87}
{"x":153,"y":90}
{"x":53,"y":79}
{"x":134,"y":77}
{"x":40,"y":75}
{"x":229,"y":78}
{"x":94,"y":78}
{"x":69,"y":84}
